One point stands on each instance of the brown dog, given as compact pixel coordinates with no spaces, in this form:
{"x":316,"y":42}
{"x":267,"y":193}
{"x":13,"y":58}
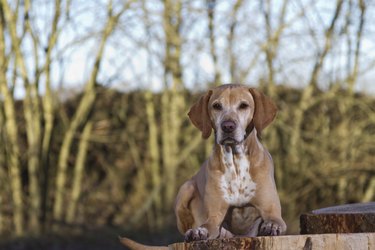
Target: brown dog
{"x":234,"y":192}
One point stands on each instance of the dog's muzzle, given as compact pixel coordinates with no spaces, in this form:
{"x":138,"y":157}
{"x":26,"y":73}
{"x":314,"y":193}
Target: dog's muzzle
{"x":228,"y":128}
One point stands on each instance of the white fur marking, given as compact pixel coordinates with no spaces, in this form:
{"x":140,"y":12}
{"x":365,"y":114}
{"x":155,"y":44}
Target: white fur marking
{"x":236,"y":183}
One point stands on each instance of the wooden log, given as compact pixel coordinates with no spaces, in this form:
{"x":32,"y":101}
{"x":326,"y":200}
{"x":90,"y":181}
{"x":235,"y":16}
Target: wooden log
{"x":350,"y":218}
{"x":361,"y":241}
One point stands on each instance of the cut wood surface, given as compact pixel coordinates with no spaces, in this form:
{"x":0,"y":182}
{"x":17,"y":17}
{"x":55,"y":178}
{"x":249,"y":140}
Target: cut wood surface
{"x":350,"y":218}
{"x":360,"y":241}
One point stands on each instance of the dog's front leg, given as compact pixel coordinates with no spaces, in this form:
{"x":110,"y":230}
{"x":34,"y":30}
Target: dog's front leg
{"x":268,"y":203}
{"x":209,"y":230}
{"x":216,"y":210}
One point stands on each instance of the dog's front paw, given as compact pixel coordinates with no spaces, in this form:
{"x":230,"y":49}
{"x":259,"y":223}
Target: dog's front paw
{"x":200,"y":233}
{"x":271,"y":228}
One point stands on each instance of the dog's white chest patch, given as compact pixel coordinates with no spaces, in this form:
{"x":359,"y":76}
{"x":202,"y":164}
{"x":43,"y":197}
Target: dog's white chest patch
{"x":236,"y":184}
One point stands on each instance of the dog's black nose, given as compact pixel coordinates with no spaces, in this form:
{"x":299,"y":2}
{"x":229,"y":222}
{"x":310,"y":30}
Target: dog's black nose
{"x":228,"y":126}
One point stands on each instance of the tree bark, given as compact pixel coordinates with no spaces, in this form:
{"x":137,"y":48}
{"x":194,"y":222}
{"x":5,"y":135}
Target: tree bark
{"x":12,"y":148}
{"x":49,"y":109}
{"x":78,"y":172}
{"x":154,"y":152}
{"x":305,"y":242}
{"x":350,"y":218}
{"x":172,"y":100}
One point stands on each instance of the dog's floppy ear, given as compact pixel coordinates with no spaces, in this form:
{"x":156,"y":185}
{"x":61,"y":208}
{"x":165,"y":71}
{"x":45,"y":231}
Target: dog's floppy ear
{"x":265,"y":110}
{"x":199,"y":116}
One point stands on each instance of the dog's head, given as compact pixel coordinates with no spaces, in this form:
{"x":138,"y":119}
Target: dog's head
{"x":232,"y":110}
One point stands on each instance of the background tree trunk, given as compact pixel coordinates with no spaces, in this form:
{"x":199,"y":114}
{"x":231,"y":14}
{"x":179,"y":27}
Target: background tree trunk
{"x":79,"y":172}
{"x":49,"y":109}
{"x":13,"y":156}
{"x":172,"y":100}
{"x":12,"y":147}
{"x":154,"y":155}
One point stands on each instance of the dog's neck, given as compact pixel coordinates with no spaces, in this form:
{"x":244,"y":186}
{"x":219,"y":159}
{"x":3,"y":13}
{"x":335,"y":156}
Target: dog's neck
{"x":236,"y":183}
{"x":234,"y":149}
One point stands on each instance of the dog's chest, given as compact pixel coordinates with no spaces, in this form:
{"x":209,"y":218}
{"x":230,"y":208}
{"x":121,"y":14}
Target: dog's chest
{"x":236,"y":184}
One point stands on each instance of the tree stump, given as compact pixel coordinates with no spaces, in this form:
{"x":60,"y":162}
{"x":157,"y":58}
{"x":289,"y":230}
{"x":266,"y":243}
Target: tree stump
{"x":350,"y":218}
{"x":361,"y":241}
{"x":349,"y":226}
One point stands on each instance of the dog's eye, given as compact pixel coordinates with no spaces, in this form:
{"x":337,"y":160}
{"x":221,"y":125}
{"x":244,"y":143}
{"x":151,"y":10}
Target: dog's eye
{"x":217,"y":106}
{"x":243,"y":105}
